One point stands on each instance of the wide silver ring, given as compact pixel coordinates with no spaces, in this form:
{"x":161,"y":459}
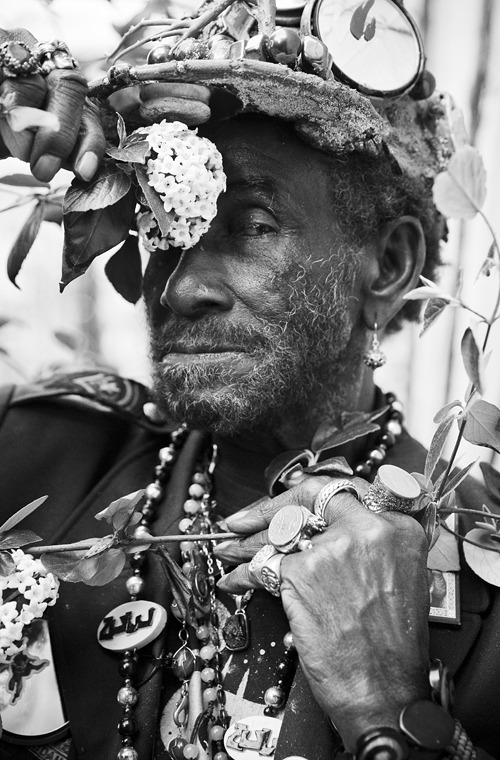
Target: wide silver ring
{"x":270,"y":574}
{"x":260,"y":557}
{"x":329,"y":491}
{"x":393,"y":490}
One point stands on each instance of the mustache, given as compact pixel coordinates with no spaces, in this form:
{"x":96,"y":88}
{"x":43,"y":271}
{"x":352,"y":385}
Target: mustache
{"x":209,"y":334}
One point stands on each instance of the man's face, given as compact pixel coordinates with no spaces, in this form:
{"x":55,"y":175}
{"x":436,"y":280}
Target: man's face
{"x":254,"y":325}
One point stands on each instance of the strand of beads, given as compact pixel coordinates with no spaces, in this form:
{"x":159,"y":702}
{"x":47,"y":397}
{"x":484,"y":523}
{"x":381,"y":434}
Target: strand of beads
{"x":276,"y":696}
{"x":128,"y":694}
{"x":391,"y":431}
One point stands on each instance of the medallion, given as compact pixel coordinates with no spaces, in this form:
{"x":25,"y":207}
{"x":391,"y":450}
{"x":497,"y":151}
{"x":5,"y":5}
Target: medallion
{"x":286,"y":525}
{"x":252,"y":738}
{"x":131,"y":626}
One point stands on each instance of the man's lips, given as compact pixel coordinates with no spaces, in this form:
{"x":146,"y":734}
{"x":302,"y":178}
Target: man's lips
{"x":202,"y":349}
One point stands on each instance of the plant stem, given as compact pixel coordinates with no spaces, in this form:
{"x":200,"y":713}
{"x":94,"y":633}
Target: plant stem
{"x":36,"y":551}
{"x":458,"y":511}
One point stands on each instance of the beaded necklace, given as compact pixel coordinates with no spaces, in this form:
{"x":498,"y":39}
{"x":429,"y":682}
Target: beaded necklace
{"x":201,"y":568}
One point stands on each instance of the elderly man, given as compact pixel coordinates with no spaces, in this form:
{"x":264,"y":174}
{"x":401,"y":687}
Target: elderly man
{"x":263,"y":337}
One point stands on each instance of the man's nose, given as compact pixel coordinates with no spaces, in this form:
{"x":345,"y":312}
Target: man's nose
{"x":197,"y":286}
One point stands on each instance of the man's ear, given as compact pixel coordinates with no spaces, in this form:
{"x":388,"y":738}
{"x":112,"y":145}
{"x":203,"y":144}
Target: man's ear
{"x":395,"y":270}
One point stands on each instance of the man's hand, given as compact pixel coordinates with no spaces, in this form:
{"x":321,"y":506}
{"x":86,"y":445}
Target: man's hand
{"x":78,"y":144}
{"x":357,"y":603}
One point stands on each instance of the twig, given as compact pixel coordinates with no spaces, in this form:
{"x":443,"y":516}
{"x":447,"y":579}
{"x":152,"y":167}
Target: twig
{"x":133,"y":29}
{"x":150,"y":540}
{"x":469,"y":541}
{"x":172,"y":32}
{"x":458,"y":511}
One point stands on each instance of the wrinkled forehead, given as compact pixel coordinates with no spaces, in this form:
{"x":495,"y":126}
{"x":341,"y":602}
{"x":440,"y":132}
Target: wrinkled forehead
{"x":260,"y":148}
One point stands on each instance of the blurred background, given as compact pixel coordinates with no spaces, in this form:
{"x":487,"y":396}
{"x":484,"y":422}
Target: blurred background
{"x":90,"y":324}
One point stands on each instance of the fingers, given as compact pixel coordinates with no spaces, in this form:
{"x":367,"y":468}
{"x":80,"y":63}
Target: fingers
{"x":66,"y":92}
{"x":241,"y":550}
{"x":257,"y":516}
{"x":239,"y":580}
{"x":90,"y":145}
{"x":27,"y":92}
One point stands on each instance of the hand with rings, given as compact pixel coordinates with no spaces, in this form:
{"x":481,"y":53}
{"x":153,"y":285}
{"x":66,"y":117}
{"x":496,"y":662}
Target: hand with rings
{"x":353,"y":584}
{"x":45,"y":76}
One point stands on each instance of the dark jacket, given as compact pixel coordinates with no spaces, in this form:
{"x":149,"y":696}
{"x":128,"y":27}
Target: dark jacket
{"x":85,"y":452}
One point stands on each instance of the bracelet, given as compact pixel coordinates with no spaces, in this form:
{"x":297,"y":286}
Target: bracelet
{"x":461,"y":747}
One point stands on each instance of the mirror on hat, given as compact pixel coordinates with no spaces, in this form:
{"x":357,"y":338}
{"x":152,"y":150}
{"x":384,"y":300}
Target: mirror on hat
{"x":375,"y":44}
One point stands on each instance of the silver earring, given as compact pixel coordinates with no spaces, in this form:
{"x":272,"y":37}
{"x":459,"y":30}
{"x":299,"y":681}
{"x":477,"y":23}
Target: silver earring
{"x":375,"y":357}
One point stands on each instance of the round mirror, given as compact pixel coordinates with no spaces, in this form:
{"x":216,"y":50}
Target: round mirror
{"x":375,"y":44}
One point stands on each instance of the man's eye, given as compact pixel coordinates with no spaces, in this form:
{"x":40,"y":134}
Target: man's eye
{"x":256,"y":223}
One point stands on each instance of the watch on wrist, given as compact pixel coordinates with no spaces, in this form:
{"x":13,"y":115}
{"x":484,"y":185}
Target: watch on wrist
{"x":426,"y":732}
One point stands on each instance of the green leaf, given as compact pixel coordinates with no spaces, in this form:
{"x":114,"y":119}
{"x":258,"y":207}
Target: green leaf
{"x":482,"y":426}
{"x":74,"y":567}
{"x":121,"y":129}
{"x":164,"y":219}
{"x":484,"y":562}
{"x":120,"y":511}
{"x":446,"y":411}
{"x":65,"y":566}
{"x":347,"y":426}
{"x":22,"y":513}
{"x":91,"y":233}
{"x":433,"y":310}
{"x":7,"y":564}
{"x":455,"y":481}
{"x":124,"y":270}
{"x":24,"y":241}
{"x":444,"y":554}
{"x":22,"y":180}
{"x":16,"y":538}
{"x":106,"y":188}
{"x":134,"y":150}
{"x":437,"y":445}
{"x":491,"y":480}
{"x":106,"y":567}
{"x":473,"y":360}
{"x":460,"y":191}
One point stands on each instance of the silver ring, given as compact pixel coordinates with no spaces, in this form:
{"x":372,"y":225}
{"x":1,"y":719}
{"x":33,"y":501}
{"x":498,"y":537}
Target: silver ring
{"x":270,"y":574}
{"x":54,"y":55}
{"x":393,"y":490}
{"x":291,"y":524}
{"x":328,"y":492}
{"x":262,"y":556}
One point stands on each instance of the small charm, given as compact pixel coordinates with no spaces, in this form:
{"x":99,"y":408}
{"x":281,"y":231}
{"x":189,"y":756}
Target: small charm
{"x":252,"y":738}
{"x":131,"y":626}
{"x":236,"y":632}
{"x":375,"y":357}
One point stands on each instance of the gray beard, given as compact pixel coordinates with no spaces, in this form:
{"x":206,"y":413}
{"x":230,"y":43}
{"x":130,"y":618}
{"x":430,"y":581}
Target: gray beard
{"x":303,"y":361}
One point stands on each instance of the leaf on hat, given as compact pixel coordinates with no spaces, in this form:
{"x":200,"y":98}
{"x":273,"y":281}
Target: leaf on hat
{"x":24,"y":242}
{"x":124,"y":270}
{"x":473,"y":360}
{"x":107,"y":187}
{"x":164,"y":219}
{"x":133,"y":150}
{"x":482,"y":426}
{"x":90,"y":233}
{"x":460,"y":191}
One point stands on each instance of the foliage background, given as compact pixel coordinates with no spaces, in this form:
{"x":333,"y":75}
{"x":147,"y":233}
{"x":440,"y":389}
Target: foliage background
{"x":90,"y":323}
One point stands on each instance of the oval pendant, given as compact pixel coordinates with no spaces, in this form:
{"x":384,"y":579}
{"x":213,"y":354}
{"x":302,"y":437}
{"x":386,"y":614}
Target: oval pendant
{"x":131,"y":626}
{"x":252,"y":738}
{"x":183,"y":663}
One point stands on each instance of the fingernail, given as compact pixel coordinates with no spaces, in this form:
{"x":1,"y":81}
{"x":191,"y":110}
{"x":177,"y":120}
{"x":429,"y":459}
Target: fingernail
{"x":87,"y":166}
{"x":223,"y":547}
{"x":222,"y":524}
{"x":46,"y":167}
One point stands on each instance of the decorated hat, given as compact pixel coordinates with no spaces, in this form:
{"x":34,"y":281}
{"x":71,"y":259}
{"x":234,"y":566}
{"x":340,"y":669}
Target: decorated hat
{"x":349,"y":75}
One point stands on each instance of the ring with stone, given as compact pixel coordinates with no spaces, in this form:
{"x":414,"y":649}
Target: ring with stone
{"x":393,"y":490}
{"x":329,"y":491}
{"x":17,"y":60}
{"x":291,"y":525}
{"x":270,"y":574}
{"x":54,"y":55}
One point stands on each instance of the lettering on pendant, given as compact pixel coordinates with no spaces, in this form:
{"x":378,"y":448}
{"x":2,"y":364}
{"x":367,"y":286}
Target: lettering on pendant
{"x":130,"y":625}
{"x":252,"y":738}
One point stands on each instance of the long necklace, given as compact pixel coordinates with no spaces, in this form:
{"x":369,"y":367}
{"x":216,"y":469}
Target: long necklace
{"x":145,"y":620}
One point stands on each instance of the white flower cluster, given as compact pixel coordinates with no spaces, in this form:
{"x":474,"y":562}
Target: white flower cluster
{"x":186,"y":171}
{"x":36,"y":589}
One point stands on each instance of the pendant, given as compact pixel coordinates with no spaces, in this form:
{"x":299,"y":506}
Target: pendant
{"x":32,"y":711}
{"x":252,"y":738}
{"x":131,"y":626}
{"x":236,"y":632}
